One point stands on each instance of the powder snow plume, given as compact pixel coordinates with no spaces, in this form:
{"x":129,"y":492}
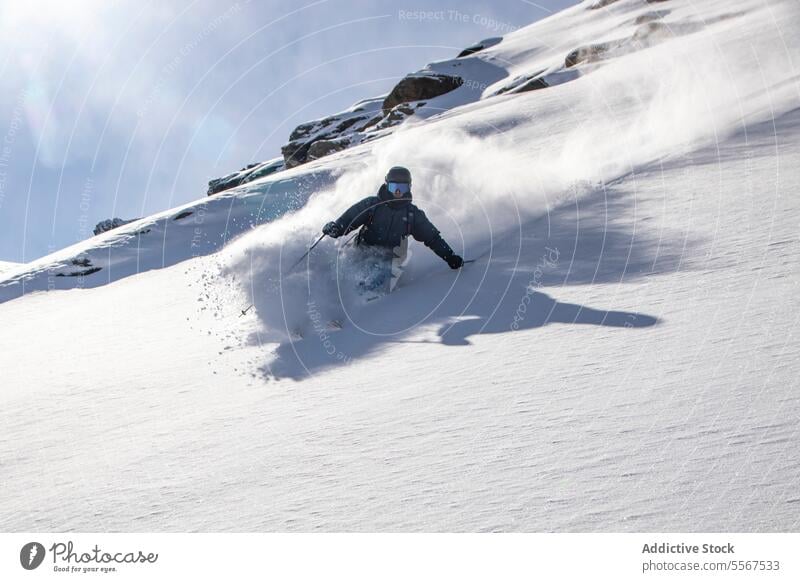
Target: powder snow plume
{"x":488,"y":172}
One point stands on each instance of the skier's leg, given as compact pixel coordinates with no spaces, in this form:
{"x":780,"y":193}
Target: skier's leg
{"x":377,"y":272}
{"x":397,"y":265}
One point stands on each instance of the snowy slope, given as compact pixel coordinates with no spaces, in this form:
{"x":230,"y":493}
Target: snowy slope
{"x":6,"y":266}
{"x":620,"y":357}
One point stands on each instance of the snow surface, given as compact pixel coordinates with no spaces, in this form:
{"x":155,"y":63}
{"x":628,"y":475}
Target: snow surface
{"x":7,"y":266}
{"x":621,"y":356}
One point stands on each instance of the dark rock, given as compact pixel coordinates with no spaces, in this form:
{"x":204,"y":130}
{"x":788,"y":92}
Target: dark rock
{"x":332,"y":128}
{"x":420,"y":86}
{"x":360,"y":122}
{"x":470,"y":50}
{"x":294,"y":153}
{"x":604,"y":3}
{"x":323,"y":147}
{"x":110,"y":224}
{"x":220,"y":184}
{"x":532,"y":85}
{"x":650,"y":16}
{"x":651,"y":33}
{"x":479,"y":46}
{"x":265,"y":169}
{"x":183,"y":214}
{"x":517,"y":82}
{"x":304,"y":130}
{"x":80,"y":273}
{"x":589,"y":53}
{"x":247,"y":174}
{"x":399,"y":114}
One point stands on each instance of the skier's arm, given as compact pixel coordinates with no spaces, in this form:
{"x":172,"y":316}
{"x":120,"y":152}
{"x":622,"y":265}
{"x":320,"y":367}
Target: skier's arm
{"x":424,"y":231}
{"x":355,"y":216}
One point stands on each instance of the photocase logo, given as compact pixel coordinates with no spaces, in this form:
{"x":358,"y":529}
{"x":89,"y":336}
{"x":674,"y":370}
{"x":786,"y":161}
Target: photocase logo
{"x":31,"y":555}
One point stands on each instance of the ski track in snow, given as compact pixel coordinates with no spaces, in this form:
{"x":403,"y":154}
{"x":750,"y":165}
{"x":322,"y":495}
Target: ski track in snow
{"x":621,"y":358}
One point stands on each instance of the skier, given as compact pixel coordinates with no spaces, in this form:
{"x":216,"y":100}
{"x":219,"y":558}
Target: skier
{"x":386,"y":220}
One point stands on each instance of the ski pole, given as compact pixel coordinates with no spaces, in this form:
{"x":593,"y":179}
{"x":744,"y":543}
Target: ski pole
{"x":300,"y":260}
{"x":244,"y":311}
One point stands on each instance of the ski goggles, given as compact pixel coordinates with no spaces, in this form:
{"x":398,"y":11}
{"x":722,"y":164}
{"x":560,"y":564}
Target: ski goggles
{"x":404,"y":187}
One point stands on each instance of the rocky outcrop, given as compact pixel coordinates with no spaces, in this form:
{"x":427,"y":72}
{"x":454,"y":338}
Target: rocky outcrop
{"x":601,"y":4}
{"x":86,"y":265}
{"x":80,"y":273}
{"x":538,"y":80}
{"x":650,"y":31}
{"x":651,"y":16}
{"x":419,"y":86}
{"x":110,"y":224}
{"x":335,"y":128}
{"x":532,"y":85}
{"x":321,"y":137}
{"x":324,"y":147}
{"x":183,"y":214}
{"x":479,"y":46}
{"x":247,"y":174}
{"x":523,"y":83}
{"x":365,"y":120}
{"x":587,"y":54}
{"x":399,"y":114}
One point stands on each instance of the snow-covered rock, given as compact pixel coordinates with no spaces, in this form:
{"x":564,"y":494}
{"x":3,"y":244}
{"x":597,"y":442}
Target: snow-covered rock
{"x":110,"y":224}
{"x":342,"y":128}
{"x":420,"y":86}
{"x":479,"y":46}
{"x":247,"y":174}
{"x":323,"y":147}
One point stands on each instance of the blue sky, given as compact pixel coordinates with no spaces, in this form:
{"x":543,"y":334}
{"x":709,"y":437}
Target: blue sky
{"x":124,"y":108}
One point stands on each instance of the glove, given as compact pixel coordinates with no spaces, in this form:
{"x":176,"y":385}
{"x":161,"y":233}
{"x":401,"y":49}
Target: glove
{"x":455,"y":261}
{"x":332,"y":230}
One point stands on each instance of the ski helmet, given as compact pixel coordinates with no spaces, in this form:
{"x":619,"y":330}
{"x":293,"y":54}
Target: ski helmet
{"x":398,"y":174}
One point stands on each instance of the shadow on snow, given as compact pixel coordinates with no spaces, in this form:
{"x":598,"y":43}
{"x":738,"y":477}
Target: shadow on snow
{"x":592,"y":240}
